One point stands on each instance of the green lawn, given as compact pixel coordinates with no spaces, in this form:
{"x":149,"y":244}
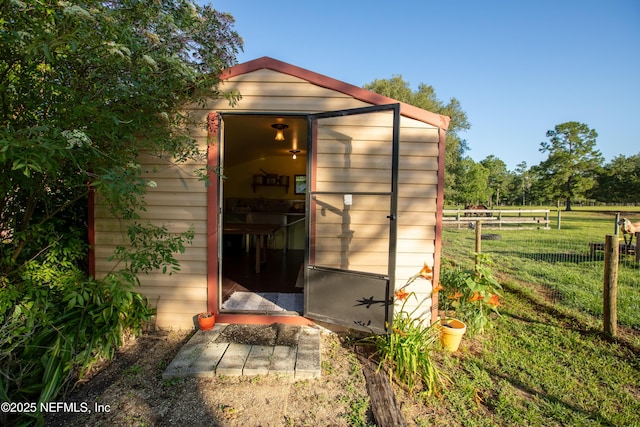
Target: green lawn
{"x":536,"y":368}
{"x":545,"y":362}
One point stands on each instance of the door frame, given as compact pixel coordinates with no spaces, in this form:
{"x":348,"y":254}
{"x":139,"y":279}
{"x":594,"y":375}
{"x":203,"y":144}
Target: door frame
{"x":215,"y":141}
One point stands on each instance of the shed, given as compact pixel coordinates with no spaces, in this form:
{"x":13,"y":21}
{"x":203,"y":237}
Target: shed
{"x":329,"y":198}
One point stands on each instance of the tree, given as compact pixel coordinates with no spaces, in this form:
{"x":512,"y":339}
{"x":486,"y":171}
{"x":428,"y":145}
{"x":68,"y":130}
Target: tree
{"x":472,"y":183}
{"x":524,"y":181}
{"x":425,"y":98}
{"x":573,"y":161}
{"x":84,"y":88}
{"x":498,"y":177}
{"x":619,"y":181}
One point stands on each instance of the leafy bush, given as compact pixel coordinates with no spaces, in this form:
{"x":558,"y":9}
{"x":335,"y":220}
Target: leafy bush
{"x":472,"y":294}
{"x":55,"y":323}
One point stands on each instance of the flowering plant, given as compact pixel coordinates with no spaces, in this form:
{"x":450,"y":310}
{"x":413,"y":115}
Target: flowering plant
{"x":473,"y":294}
{"x":407,"y":349}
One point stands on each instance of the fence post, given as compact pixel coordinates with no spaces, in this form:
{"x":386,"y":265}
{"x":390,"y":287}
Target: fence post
{"x":617,"y":227}
{"x":637,"y":247}
{"x":546,"y":219}
{"x":610,"y":293}
{"x":478,"y":240}
{"x":559,"y":218}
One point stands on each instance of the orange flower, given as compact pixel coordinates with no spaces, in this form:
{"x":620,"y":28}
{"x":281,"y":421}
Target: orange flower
{"x":426,"y":272}
{"x":437,"y":289}
{"x":401,"y":295}
{"x":476,"y":297}
{"x":457,"y":295}
{"x":399,"y":332}
{"x":494,"y":300}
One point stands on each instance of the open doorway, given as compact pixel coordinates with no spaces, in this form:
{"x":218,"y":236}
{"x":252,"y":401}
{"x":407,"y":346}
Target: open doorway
{"x":262,"y":199}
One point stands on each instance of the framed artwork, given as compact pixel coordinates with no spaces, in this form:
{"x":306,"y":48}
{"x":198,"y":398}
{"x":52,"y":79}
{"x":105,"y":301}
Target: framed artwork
{"x":300,"y":184}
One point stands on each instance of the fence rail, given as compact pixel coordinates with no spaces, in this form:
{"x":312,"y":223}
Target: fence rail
{"x":511,"y":218}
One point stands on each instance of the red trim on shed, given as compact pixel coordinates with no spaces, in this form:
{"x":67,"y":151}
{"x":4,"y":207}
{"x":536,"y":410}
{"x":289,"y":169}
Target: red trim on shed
{"x":261,"y":319}
{"x":91,"y":232}
{"x":442,"y":136}
{"x":213,"y":149}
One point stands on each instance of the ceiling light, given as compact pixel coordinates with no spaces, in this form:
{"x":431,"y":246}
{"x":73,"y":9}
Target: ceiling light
{"x":294,"y":152}
{"x":279,"y":130}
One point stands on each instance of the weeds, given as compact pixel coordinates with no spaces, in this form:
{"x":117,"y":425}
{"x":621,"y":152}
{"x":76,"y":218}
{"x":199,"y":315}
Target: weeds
{"x":358,"y":406}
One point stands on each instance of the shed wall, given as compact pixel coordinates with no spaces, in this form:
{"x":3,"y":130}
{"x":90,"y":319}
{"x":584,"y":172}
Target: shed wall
{"x":180,"y":199}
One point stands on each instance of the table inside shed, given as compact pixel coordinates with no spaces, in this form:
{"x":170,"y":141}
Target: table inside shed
{"x":258,"y":230}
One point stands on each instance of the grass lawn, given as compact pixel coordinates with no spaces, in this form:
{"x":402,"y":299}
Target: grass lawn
{"x":545,"y":361}
{"x":537,"y":367}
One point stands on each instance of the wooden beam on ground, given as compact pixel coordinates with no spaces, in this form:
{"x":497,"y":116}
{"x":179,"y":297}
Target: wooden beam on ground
{"x":384,"y":405}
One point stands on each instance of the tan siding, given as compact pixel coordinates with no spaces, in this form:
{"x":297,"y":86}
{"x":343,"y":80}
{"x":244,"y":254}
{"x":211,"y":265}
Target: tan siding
{"x":418,"y":178}
{"x":416,"y":232}
{"x":295,"y":95}
{"x":370,"y":262}
{"x":175,"y":198}
{"x":351,"y":174}
{"x":425,"y":164}
{"x":194,"y":253}
{"x":182,"y":292}
{"x":177,"y":298}
{"x":282,"y":89}
{"x":263,"y":75}
{"x":419,"y":149}
{"x":416,"y":190}
{"x":199,"y":227}
{"x":178,"y":201}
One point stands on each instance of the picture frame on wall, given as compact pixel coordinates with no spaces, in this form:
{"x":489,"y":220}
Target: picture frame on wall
{"x":300,"y":184}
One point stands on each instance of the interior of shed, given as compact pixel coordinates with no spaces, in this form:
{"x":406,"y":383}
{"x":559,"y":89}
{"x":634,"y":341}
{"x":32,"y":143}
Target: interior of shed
{"x":264,"y":164}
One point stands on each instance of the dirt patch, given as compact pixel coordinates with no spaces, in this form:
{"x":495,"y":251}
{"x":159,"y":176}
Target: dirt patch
{"x":130,"y":391}
{"x":274,"y":334}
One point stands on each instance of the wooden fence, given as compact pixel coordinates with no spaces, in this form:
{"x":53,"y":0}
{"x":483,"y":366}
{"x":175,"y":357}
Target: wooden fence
{"x":512,"y":218}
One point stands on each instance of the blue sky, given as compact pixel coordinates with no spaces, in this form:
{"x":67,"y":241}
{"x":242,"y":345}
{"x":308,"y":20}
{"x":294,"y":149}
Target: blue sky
{"x":517,"y":67}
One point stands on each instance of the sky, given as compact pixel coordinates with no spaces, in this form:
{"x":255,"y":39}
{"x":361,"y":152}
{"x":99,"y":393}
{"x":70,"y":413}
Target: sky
{"x":517,"y":67}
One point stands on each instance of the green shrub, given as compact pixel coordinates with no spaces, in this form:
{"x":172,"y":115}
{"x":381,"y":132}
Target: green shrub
{"x":471,"y":295}
{"x":55,"y":323}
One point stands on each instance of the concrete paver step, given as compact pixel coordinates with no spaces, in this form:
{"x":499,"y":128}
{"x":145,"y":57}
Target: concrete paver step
{"x":203,"y":356}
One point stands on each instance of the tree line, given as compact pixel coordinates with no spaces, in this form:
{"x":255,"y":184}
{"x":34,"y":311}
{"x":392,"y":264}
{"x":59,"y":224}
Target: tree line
{"x":573,"y":172}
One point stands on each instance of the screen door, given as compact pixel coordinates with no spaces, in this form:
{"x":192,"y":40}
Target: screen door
{"x":351,"y":206}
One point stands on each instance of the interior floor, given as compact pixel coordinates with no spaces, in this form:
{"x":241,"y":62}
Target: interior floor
{"x":279,"y":273}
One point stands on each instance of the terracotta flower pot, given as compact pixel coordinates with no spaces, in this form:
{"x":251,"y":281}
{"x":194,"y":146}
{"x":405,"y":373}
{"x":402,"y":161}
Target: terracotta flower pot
{"x":206,"y":321}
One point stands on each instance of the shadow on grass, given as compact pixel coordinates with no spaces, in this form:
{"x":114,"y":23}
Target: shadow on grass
{"x":577,"y":323}
{"x":564,"y":257}
{"x":542,"y":396}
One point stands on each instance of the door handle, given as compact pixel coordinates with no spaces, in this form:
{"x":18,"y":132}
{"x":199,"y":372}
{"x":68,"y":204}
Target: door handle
{"x":392,"y":217}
